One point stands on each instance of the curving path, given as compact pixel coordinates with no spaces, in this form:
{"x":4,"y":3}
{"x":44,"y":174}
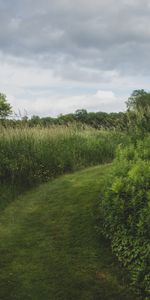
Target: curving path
{"x":49,"y":248}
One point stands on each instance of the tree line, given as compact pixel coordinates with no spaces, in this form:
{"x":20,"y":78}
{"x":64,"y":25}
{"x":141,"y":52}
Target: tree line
{"x":136,"y":117}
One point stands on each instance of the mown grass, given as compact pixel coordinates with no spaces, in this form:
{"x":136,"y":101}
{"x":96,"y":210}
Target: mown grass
{"x":49,"y":248}
{"x":31,"y":156}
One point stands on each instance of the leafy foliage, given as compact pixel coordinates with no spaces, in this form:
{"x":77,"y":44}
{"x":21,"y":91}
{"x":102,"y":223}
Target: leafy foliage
{"x":125,"y":212}
{"x":138,"y":106}
{"x":5,"y":107}
{"x":98,"y":120}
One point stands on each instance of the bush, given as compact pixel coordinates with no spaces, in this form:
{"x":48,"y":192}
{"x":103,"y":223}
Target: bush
{"x":125,"y":212}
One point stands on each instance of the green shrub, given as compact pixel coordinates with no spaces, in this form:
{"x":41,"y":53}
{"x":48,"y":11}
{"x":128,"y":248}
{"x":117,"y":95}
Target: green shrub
{"x":125,"y":212}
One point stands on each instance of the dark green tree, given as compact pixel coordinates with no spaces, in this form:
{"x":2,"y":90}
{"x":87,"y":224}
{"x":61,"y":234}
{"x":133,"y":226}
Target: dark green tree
{"x":5,"y":107}
{"x":81,"y":115}
{"x":138,"y":109}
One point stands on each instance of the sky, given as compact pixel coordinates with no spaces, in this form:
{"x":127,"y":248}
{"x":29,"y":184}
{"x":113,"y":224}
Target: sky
{"x":57,"y":56}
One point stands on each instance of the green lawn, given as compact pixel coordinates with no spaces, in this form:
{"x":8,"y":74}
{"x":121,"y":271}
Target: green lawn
{"x":49,"y":248}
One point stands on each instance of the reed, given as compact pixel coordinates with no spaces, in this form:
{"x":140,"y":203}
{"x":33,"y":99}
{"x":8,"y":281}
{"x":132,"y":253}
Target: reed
{"x":32,"y":155}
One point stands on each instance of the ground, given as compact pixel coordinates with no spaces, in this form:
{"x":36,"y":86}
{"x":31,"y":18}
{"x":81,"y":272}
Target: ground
{"x":50,"y":248}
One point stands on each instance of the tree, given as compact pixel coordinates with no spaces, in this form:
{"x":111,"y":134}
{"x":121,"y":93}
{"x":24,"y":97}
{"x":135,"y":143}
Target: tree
{"x":5,"y":107}
{"x":66,"y":119}
{"x":81,"y":115}
{"x":138,"y":109}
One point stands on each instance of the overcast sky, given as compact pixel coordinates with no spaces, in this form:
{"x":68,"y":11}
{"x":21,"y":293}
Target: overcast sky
{"x":57,"y":56}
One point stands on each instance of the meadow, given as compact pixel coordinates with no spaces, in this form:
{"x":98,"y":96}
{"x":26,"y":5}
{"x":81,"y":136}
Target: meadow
{"x":73,"y":216}
{"x":30,"y":156}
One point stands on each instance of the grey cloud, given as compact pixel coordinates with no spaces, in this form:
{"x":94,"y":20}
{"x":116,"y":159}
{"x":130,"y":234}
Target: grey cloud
{"x":78,"y":40}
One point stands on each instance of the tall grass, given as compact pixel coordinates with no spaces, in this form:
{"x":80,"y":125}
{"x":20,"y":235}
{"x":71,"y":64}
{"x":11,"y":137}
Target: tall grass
{"x":30,"y":156}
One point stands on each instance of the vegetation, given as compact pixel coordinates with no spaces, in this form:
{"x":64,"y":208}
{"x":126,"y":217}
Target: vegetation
{"x":98,"y":120}
{"x":125,"y":212}
{"x":30,"y":156}
{"x":38,"y":149}
{"x":5,"y":107}
{"x":49,"y":249}
{"x":125,"y":205}
{"x":135,"y":118}
{"x":139,"y":112}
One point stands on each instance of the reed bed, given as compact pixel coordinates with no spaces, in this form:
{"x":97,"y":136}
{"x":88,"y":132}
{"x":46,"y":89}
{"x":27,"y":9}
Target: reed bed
{"x":32,"y":155}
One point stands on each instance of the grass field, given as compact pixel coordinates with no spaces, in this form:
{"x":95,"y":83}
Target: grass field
{"x":30,"y":156}
{"x":49,"y":248}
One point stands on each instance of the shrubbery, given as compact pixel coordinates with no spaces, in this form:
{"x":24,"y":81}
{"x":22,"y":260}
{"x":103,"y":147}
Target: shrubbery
{"x":125,"y":212}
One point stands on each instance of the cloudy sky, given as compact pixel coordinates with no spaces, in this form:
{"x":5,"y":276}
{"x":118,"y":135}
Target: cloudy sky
{"x":57,"y":56}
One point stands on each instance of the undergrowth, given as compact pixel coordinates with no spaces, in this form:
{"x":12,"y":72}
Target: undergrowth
{"x":125,"y":212}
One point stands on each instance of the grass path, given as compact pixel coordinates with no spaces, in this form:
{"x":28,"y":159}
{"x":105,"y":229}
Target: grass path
{"x":49,"y":249}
